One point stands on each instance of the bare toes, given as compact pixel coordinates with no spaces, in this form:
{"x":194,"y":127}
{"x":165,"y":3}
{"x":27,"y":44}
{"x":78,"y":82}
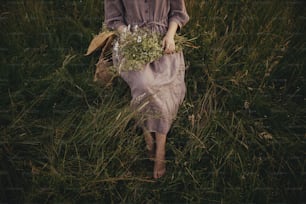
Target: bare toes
{"x":159,"y":169}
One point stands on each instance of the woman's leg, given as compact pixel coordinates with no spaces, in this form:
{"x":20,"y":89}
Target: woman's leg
{"x":149,"y":144}
{"x":159,"y":164}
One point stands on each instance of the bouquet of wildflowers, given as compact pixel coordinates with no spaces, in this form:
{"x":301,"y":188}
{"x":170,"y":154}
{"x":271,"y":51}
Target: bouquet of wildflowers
{"x":137,"y":47}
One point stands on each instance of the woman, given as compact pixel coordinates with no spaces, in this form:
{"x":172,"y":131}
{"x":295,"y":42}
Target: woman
{"x":159,"y":88}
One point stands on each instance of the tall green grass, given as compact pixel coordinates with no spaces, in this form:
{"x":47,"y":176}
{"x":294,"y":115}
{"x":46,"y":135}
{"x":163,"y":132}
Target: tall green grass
{"x":239,"y":136}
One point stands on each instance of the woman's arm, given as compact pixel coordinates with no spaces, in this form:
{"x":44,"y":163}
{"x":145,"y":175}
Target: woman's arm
{"x":114,"y":15}
{"x":178,"y":13}
{"x":168,"y":41}
{"x":178,"y":17}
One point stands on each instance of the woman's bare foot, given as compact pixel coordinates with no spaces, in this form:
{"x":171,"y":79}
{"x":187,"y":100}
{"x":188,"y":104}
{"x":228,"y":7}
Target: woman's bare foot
{"x":159,"y":166}
{"x":150,"y":145}
{"x":160,"y":163}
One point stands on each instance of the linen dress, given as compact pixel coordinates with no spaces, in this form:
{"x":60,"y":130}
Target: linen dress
{"x":159,"y":88}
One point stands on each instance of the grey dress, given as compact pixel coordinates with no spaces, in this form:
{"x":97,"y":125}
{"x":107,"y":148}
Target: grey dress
{"x":159,"y":88}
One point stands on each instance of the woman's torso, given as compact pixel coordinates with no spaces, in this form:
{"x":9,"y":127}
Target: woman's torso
{"x":152,"y":14}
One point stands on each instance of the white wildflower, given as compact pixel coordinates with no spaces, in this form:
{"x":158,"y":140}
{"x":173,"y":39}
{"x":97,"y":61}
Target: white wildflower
{"x":135,"y":28}
{"x":139,"y":39}
{"x":116,"y":46}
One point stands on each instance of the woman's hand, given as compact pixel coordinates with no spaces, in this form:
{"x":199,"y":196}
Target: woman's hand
{"x":168,"y":41}
{"x":168,"y":44}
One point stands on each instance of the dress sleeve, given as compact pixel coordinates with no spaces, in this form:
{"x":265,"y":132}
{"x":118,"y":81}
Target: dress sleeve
{"x":114,"y":13}
{"x":178,"y":12}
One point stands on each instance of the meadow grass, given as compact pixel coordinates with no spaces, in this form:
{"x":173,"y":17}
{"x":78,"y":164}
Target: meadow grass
{"x":239,"y":136}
